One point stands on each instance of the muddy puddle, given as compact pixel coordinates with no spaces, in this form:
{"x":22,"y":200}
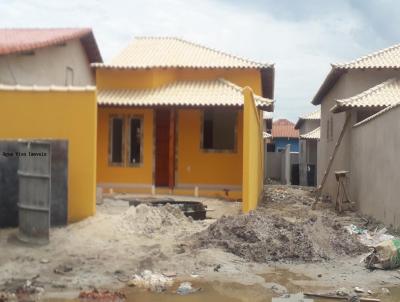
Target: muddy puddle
{"x":277,"y":283}
{"x":230,"y":292}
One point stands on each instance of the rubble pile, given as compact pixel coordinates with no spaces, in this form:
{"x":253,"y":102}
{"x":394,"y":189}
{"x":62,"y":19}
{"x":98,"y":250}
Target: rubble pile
{"x":259,"y":237}
{"x":284,"y":230}
{"x":146,"y":220}
{"x":280,"y":193}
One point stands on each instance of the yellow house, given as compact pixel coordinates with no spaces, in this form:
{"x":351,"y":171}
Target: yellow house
{"x":46,"y":93}
{"x":173,"y":118}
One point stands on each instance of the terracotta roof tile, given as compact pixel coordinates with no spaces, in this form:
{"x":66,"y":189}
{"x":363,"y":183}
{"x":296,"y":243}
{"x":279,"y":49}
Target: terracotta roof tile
{"x":284,"y":128}
{"x":181,"y":93}
{"x":170,"y":52}
{"x":26,"y":39}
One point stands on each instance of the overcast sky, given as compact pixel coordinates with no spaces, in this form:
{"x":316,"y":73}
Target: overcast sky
{"x":302,"y":38}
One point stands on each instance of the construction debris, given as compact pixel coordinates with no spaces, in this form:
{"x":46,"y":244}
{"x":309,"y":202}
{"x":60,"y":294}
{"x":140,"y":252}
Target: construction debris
{"x":350,"y":298}
{"x":262,"y":237}
{"x":147,"y":220}
{"x":105,"y":295}
{"x":186,"y":288}
{"x":152,"y":281}
{"x":385,"y":255}
{"x":8,"y":297}
{"x":369,"y":238}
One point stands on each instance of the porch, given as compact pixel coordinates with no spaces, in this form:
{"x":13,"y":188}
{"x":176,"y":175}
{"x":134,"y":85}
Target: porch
{"x":181,"y":151}
{"x":185,"y":138}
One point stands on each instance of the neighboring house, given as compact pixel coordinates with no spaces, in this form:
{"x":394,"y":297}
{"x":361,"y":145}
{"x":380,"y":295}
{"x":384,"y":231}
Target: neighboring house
{"x":47,"y":56}
{"x":355,"y":92}
{"x":173,"y":118}
{"x":284,"y":133}
{"x":308,"y":127}
{"x":44,"y":94}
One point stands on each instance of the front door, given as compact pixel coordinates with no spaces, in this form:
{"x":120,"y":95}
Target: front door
{"x":165,"y":144}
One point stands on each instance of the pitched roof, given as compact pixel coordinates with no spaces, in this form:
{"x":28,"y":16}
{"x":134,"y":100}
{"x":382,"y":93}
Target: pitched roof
{"x":169,"y":52}
{"x":312,"y":135}
{"x":34,"y":88}
{"x":385,"y":58}
{"x":388,"y":58}
{"x":284,"y":128}
{"x":16,"y":40}
{"x":313,"y":116}
{"x":181,"y":93}
{"x":379,"y":96}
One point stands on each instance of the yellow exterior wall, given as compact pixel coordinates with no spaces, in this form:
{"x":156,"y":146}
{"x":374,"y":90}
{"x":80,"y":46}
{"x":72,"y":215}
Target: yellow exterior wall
{"x":151,"y":78}
{"x":196,"y":166}
{"x":108,"y":174}
{"x":59,"y":115}
{"x":253,"y":153}
{"x":193,"y":166}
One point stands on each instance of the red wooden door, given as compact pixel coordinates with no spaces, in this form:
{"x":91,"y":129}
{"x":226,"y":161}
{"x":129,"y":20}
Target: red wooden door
{"x":162,"y":147}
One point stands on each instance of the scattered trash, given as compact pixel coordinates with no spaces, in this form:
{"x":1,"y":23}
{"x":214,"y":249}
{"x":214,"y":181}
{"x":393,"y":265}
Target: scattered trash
{"x":385,"y":255}
{"x":291,"y":298}
{"x":186,"y":288}
{"x":351,"y":298}
{"x":217,"y":268}
{"x":62,"y":269}
{"x":29,"y":292}
{"x":152,"y":281}
{"x":369,"y":238}
{"x":105,"y":295}
{"x":385,"y":291}
{"x":44,"y":261}
{"x":342,"y":292}
{"x":358,"y":290}
{"x":170,"y":274}
{"x":8,"y":297}
{"x":58,"y":285}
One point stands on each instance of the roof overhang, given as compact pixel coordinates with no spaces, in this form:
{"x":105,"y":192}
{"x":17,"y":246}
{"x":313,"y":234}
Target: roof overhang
{"x":193,"y":94}
{"x":340,"y":107}
{"x":330,"y":80}
{"x":21,"y":40}
{"x":299,"y":122}
{"x":312,"y":135}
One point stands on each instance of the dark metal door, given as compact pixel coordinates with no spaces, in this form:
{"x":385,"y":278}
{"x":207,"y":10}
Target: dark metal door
{"x":8,"y":184}
{"x":295,"y":177}
{"x":311,"y":175}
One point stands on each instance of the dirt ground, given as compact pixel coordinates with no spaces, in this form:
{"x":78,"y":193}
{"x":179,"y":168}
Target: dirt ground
{"x":282,"y":239}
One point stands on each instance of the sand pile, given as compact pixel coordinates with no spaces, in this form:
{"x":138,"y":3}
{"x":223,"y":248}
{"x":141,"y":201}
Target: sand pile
{"x":262,"y":237}
{"x":147,"y":220}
